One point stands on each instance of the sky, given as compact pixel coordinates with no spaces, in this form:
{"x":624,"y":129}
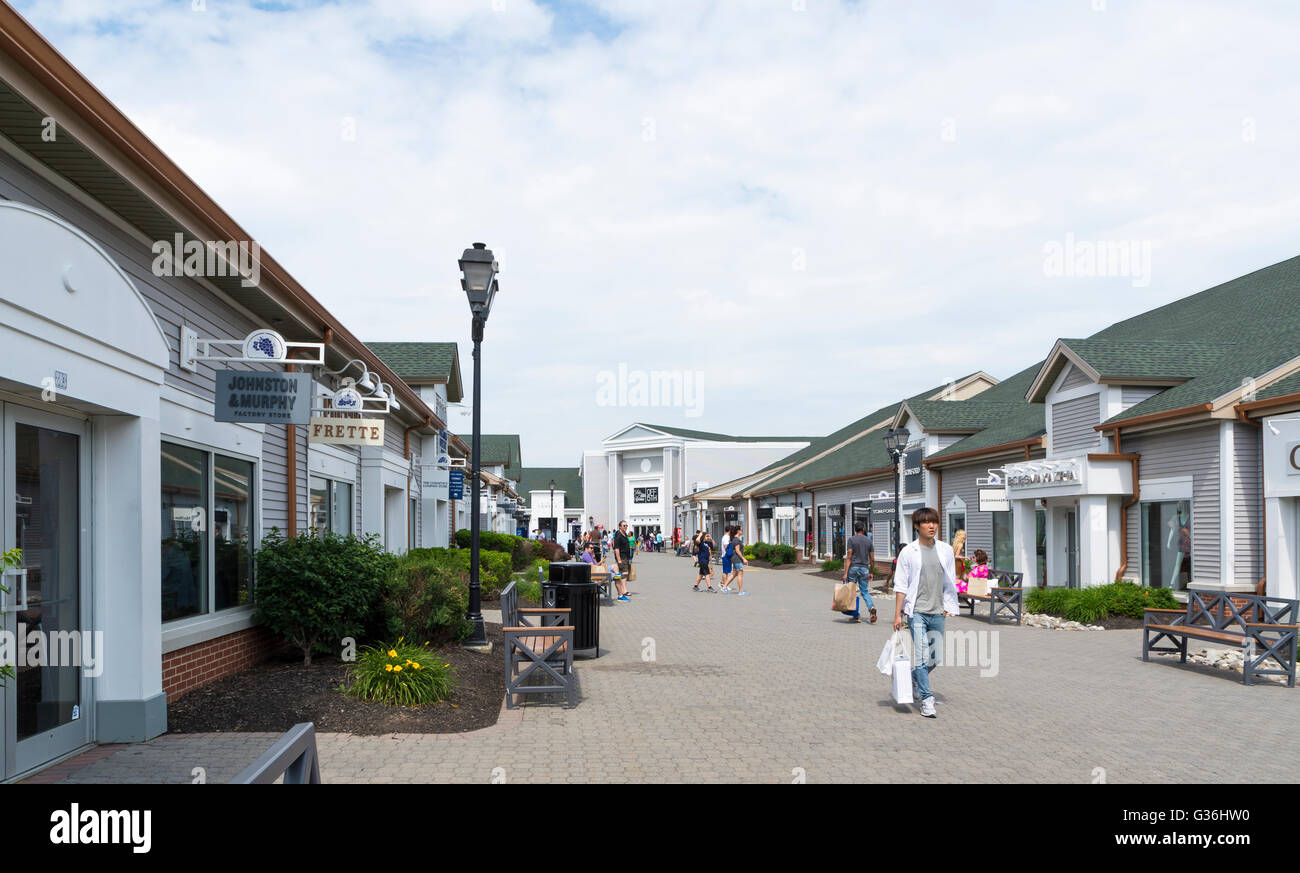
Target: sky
{"x":798,"y":211}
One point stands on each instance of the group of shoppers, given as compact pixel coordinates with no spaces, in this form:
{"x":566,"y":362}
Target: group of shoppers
{"x":703,"y":548}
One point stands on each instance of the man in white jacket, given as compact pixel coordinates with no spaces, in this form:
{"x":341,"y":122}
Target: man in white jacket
{"x":925,"y":590}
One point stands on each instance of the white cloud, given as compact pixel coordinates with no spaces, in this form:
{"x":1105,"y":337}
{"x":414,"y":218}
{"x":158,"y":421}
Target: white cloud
{"x":646,"y":192}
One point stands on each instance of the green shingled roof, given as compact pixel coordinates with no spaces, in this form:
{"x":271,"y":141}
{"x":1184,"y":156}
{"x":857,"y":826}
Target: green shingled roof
{"x":974,"y":414}
{"x":498,"y":449}
{"x":566,"y":480}
{"x":1289,"y":385}
{"x":847,"y":460}
{"x":1148,"y":359}
{"x":1015,"y":417}
{"x":419,"y":363}
{"x":722,"y":437}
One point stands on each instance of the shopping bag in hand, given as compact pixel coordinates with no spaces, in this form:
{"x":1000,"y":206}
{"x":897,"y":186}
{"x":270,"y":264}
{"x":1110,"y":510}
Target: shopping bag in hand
{"x":902,"y":672}
{"x":845,"y":594}
{"x":885,"y":663}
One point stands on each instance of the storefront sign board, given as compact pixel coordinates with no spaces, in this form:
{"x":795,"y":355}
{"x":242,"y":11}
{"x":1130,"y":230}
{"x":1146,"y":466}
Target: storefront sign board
{"x":347,"y":431}
{"x":250,"y":397}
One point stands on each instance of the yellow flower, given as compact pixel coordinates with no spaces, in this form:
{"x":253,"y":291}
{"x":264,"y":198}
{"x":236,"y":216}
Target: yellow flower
{"x":418,"y":667}
{"x":397,"y":669}
{"x":446,"y":665}
{"x":415,"y":664}
{"x":409,"y":662}
{"x":388,"y":668}
{"x":392,"y":653}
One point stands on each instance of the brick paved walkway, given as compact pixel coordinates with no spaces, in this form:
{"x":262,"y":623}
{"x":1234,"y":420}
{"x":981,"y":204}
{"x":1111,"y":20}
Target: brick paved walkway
{"x":771,"y":686}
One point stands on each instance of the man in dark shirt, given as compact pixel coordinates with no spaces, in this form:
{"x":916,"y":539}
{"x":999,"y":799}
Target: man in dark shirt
{"x":623,"y":555}
{"x":857,"y":568}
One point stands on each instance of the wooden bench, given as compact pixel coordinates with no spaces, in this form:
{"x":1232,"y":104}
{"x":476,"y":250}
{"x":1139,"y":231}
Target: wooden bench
{"x":1263,"y":627}
{"x":1008,"y":596}
{"x":547,"y":648}
{"x":601,"y":576}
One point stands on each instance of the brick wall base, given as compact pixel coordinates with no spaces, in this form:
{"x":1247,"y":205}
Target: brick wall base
{"x":195,"y":666}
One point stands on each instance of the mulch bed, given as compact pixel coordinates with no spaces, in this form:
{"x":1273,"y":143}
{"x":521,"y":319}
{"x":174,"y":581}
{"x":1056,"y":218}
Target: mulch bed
{"x":276,"y":695}
{"x":1118,"y":622}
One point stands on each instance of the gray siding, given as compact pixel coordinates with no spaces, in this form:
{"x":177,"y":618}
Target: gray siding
{"x":948,"y":439}
{"x":1195,"y":453}
{"x":960,"y":482}
{"x":1074,"y":378}
{"x":1132,"y":395}
{"x":174,"y":301}
{"x":1247,"y":494}
{"x":1072,"y":423}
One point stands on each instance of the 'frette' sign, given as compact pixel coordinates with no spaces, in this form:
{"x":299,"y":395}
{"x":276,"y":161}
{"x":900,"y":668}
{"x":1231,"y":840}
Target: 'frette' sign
{"x":250,"y":397}
{"x":347,"y":431}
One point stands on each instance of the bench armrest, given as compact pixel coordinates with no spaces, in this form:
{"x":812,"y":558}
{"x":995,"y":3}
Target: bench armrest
{"x":538,"y":610}
{"x":1164,"y":610}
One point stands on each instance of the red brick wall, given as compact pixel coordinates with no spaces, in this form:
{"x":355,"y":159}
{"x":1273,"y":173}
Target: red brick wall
{"x":195,"y":666}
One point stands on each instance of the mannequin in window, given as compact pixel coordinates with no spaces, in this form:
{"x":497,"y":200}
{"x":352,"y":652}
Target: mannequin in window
{"x":1180,"y":526}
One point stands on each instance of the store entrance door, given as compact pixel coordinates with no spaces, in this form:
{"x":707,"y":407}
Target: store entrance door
{"x":1072,"y":548}
{"x":44,"y":511}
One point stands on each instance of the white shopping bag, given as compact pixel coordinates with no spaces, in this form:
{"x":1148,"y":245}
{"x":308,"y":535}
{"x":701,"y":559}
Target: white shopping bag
{"x":901,"y":669}
{"x":885,"y":663}
{"x":902,"y":689}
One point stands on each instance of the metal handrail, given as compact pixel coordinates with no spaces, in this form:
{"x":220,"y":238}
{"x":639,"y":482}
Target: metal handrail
{"x":293,"y":755}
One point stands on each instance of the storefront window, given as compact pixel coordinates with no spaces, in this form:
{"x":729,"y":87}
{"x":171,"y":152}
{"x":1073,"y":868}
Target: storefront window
{"x":956,"y":522}
{"x":1040,"y":542}
{"x":232,"y":519}
{"x":1004,"y":553}
{"x":207,"y":521}
{"x":184,"y":523}
{"x":330,"y":505}
{"x":1167,"y":544}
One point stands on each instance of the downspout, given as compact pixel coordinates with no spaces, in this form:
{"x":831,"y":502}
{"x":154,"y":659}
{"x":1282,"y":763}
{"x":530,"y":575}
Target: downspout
{"x":1123,"y":510}
{"x":1262,"y":587}
{"x":291,"y":476}
{"x":406,"y":450}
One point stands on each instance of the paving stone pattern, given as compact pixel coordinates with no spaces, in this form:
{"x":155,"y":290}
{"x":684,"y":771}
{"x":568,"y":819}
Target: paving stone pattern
{"x":776,"y":687}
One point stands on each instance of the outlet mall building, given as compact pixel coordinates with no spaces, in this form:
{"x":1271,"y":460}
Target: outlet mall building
{"x":1164,"y":450}
{"x":137,"y":510}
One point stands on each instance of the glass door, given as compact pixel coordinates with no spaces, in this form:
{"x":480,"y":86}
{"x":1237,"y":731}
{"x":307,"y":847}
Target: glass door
{"x":43,"y":485}
{"x":1072,"y":548}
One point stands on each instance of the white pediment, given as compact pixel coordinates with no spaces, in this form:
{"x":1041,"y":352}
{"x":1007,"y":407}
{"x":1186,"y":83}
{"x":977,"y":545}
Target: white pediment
{"x":58,"y":285}
{"x":637,"y":432}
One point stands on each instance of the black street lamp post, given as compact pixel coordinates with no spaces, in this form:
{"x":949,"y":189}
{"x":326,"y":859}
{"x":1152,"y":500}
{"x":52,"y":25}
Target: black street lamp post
{"x":896,"y":443}
{"x":555,"y":524}
{"x":480,"y":283}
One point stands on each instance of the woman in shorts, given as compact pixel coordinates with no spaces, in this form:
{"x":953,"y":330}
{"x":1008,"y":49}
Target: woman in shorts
{"x":738,"y":561}
{"x":726,"y":560}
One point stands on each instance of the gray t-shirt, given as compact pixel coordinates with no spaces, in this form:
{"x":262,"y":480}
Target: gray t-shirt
{"x":859,"y":546}
{"x":929,"y":590}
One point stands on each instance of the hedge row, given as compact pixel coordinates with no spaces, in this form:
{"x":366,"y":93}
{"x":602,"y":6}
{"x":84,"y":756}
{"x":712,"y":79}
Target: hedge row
{"x":1092,"y":604}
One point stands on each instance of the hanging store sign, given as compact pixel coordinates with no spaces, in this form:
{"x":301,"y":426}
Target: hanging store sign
{"x":347,"y":431}
{"x":764,"y":512}
{"x":250,"y":397}
{"x":1038,"y":474}
{"x":912,"y":471}
{"x":783,"y":512}
{"x":456,"y":484}
{"x":645,"y":495}
{"x":994,"y":500}
{"x":262,"y":346}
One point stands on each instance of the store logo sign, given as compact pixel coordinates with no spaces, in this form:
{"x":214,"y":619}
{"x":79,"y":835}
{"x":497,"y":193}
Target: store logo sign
{"x":347,"y":400}
{"x":264,"y":345}
{"x":1293,"y":459}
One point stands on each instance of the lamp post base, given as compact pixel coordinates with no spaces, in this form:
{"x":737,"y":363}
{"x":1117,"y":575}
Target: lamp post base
{"x":477,"y":640}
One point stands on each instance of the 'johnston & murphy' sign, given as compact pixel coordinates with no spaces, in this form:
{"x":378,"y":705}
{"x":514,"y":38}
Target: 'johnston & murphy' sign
{"x":249,"y":397}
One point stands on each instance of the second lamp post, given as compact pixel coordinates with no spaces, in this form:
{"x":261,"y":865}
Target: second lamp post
{"x":479,"y":280}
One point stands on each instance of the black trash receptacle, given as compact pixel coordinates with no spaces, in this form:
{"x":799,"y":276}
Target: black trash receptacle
{"x":570,"y":587}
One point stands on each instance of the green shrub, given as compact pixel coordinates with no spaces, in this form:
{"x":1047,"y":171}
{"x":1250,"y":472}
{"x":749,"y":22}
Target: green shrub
{"x":490,"y":540}
{"x":493,"y":567}
{"x":832,"y":565}
{"x":1092,"y":604}
{"x":763,"y":551}
{"x":781,"y":554}
{"x":549,"y":551}
{"x":425,"y":599}
{"x":530,"y":590}
{"x":402,"y":674}
{"x":318,"y":587}
{"x":9,"y":559}
{"x":748,"y":552}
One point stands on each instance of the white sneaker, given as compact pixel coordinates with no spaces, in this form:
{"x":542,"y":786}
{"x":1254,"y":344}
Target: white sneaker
{"x":743,"y":594}
{"x":927,"y":708}
{"x":724,"y":590}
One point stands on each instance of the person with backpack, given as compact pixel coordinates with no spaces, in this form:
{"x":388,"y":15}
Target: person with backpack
{"x":738,"y":560}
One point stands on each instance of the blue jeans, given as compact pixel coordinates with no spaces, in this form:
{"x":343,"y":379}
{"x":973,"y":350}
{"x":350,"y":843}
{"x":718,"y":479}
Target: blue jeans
{"x":927,"y":643}
{"x":861,"y":575}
